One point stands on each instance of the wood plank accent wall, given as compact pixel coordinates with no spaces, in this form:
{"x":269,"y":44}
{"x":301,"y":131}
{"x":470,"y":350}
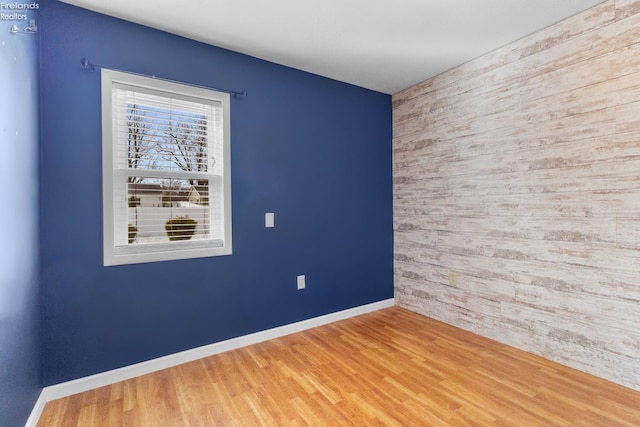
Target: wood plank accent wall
{"x":519,"y":172}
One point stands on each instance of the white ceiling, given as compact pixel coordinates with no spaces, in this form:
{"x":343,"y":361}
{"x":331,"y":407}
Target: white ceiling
{"x":382,"y":45}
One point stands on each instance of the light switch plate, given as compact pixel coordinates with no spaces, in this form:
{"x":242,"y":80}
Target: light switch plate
{"x":269,"y":220}
{"x":301,"y":282}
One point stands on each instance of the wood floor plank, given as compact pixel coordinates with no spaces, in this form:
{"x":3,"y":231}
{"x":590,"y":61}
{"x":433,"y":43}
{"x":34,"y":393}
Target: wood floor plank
{"x":392,"y":367}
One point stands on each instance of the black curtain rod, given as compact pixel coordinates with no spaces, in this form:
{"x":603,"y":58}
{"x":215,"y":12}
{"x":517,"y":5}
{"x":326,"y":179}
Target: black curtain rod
{"x":88,"y":65}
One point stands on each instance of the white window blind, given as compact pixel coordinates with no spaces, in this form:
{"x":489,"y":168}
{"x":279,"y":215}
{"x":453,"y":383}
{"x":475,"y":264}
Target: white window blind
{"x":166,"y":167}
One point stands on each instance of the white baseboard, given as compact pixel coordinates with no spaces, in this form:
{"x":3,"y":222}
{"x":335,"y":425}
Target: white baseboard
{"x":80,"y":385}
{"x":34,"y":417}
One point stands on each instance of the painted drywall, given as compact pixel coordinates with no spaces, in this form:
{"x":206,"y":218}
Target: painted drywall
{"x":19,"y":271}
{"x":516,"y":194}
{"x":314,"y":151}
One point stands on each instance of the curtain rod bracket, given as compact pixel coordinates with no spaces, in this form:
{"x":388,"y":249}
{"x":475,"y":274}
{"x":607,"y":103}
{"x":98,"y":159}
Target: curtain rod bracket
{"x":87,"y":65}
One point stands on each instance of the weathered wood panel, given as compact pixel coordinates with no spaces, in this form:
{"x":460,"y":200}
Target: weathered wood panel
{"x":598,"y":16}
{"x":625,"y":8}
{"x":519,"y":172}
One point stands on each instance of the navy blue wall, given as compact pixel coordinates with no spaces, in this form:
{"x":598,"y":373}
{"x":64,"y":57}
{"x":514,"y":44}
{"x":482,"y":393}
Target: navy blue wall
{"x":315,"y":151}
{"x":19,"y":274}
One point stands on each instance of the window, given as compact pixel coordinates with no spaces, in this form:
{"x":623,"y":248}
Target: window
{"x":166,"y":177}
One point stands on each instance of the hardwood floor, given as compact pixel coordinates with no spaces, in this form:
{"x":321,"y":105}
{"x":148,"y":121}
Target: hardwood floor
{"x":391,"y":367}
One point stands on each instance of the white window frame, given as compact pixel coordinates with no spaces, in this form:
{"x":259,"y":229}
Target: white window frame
{"x":115,"y":254}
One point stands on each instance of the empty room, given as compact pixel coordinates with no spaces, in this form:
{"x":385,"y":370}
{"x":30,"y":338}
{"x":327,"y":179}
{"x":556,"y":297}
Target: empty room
{"x":324,"y":213}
